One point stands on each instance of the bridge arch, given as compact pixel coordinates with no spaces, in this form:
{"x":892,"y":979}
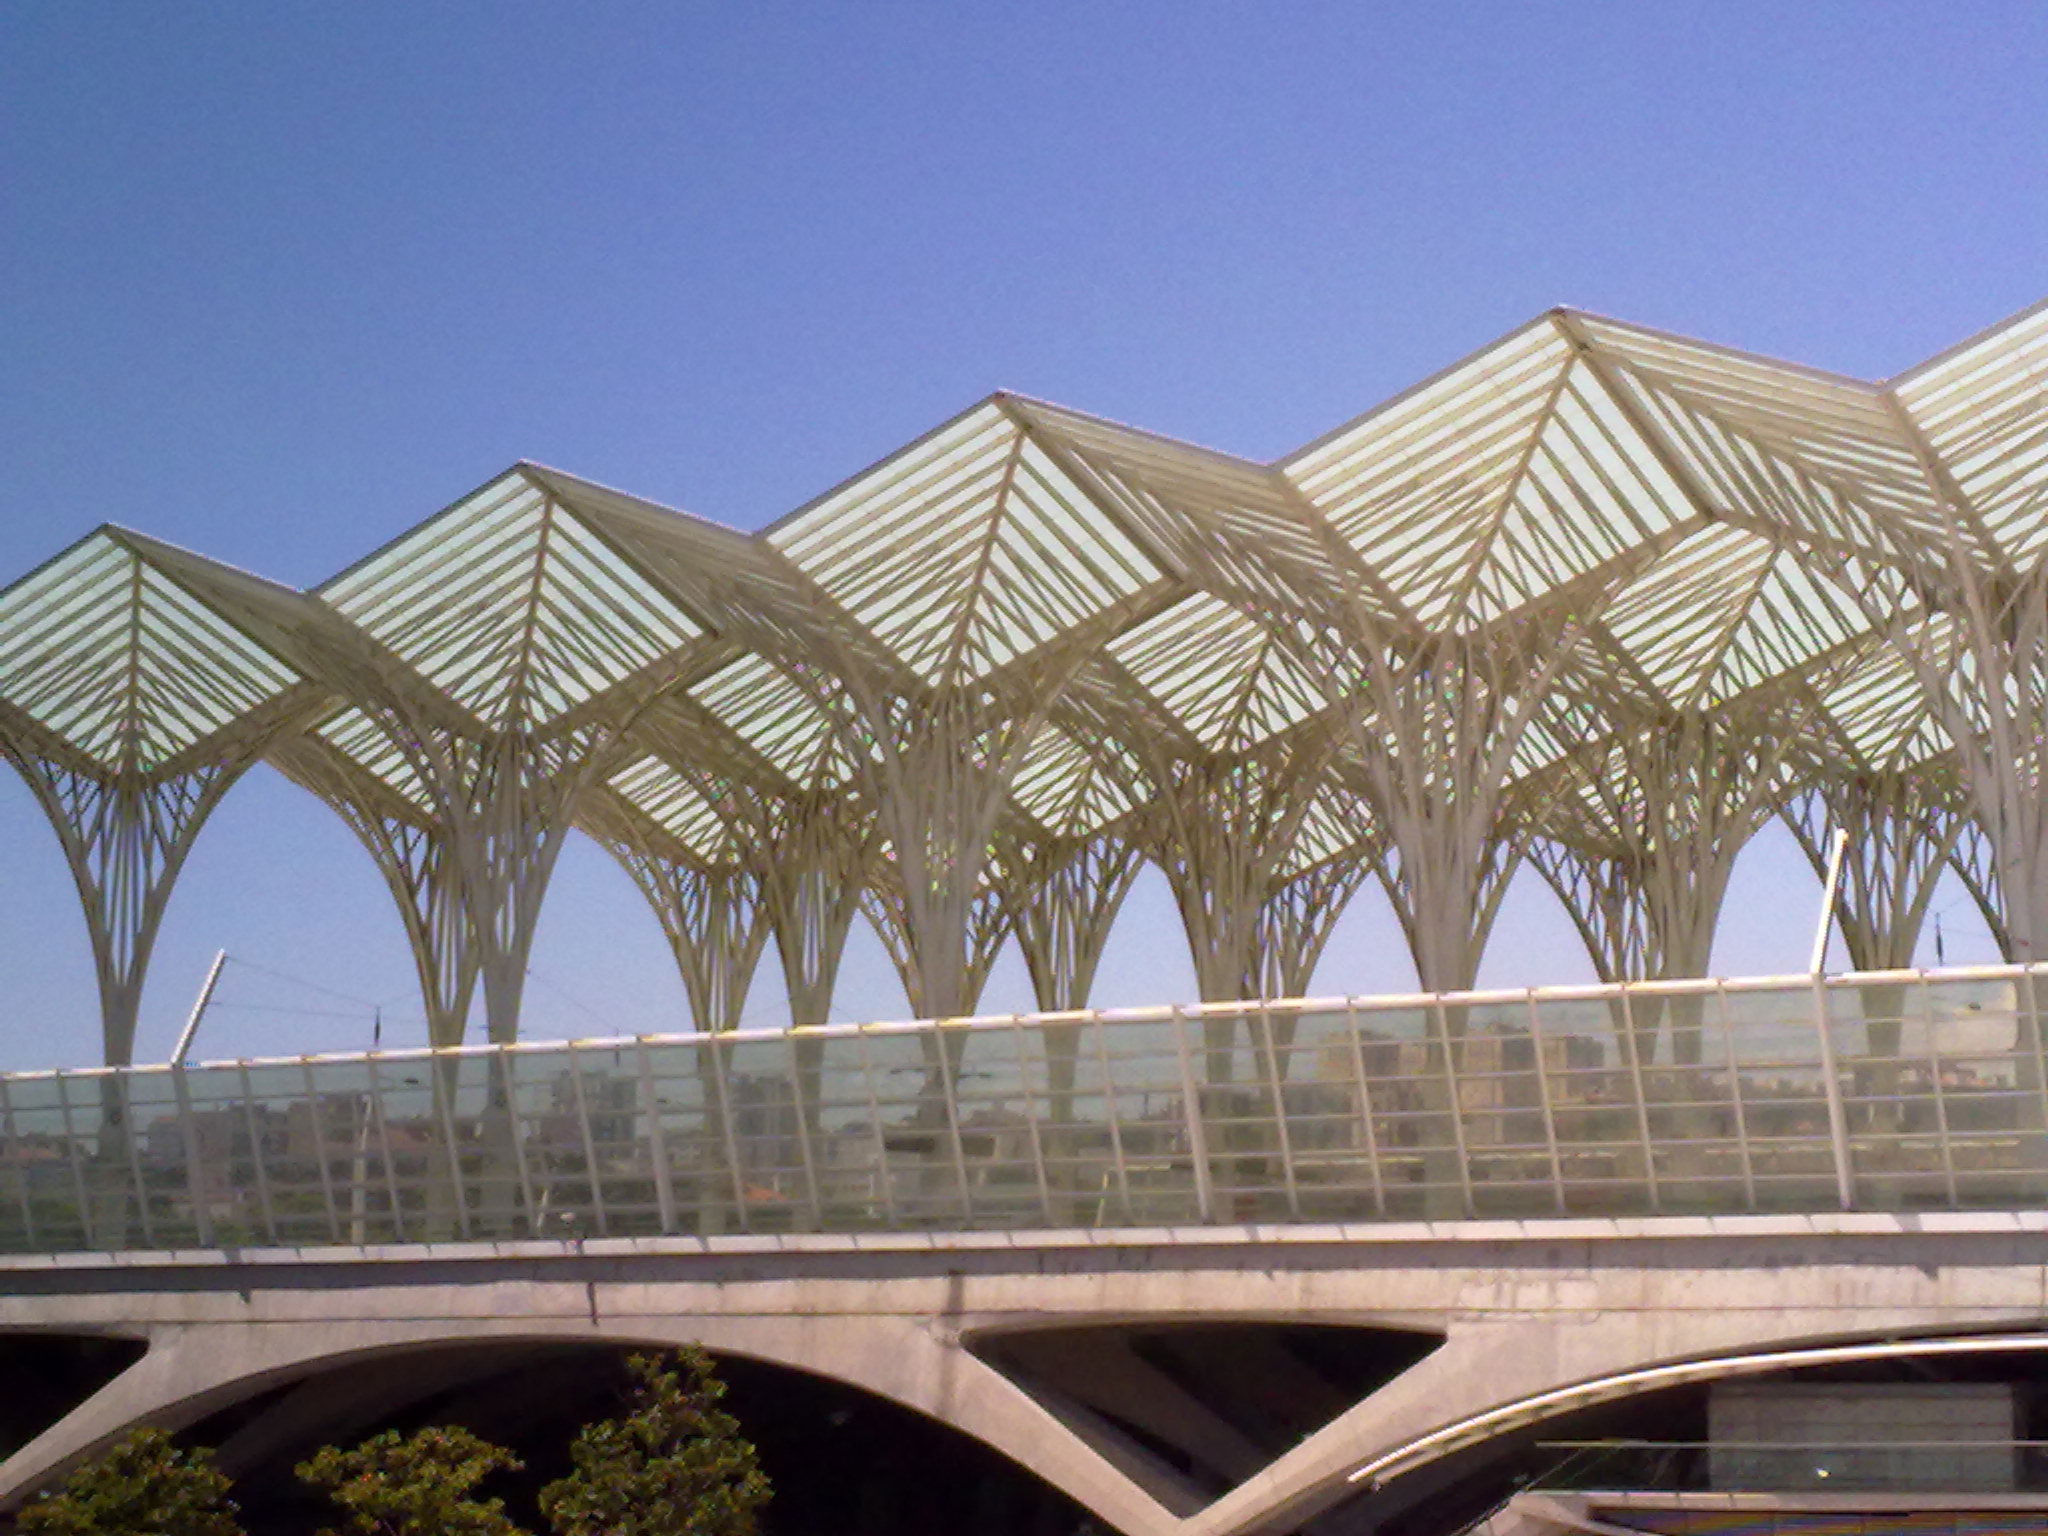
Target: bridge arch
{"x":189,"y":1375}
{"x":1481,"y":1450}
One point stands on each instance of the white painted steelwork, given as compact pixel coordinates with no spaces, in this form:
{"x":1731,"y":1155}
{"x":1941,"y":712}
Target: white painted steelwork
{"x":1598,"y":597}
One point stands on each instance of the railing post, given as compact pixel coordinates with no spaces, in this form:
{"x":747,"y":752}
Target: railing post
{"x":791,"y":1045}
{"x":253,"y":1124}
{"x":316,"y":1121}
{"x":593,"y":1174}
{"x":82,"y":1185}
{"x":444,"y":1090}
{"x":1275,"y":1082}
{"x":1736,"y":1104}
{"x":949,"y":1092}
{"x":1454,"y":1104}
{"x":195,"y":1168}
{"x":1838,"y":1118}
{"x":1365,"y":1111}
{"x":1031,"y":1115}
{"x":1543,"y":1096}
{"x":1191,"y":1108}
{"x":721,"y":1094}
{"x":1631,"y":1050}
{"x":657,"y":1142}
{"x":21,"y":1180}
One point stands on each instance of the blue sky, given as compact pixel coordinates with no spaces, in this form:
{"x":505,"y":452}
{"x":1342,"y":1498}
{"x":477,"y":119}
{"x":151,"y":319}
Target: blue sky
{"x":281,"y":280}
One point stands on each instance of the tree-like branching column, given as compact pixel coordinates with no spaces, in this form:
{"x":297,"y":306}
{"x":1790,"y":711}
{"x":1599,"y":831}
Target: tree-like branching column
{"x":818,"y":860}
{"x":130,"y":708}
{"x":1903,"y":827}
{"x":1642,"y":838}
{"x":1436,"y":747}
{"x":709,"y":913}
{"x":1062,"y":896}
{"x":412,"y":854}
{"x":938,"y":773}
{"x":744,"y":772}
{"x":497,"y":657}
{"x":1975,"y":419}
{"x":1975,"y":864}
{"x":1984,"y":670}
{"x":1262,"y":858}
{"x":125,"y":837}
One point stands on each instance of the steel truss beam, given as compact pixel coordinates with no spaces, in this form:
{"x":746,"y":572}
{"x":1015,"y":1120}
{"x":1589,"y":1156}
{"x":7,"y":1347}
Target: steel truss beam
{"x":1598,"y":595}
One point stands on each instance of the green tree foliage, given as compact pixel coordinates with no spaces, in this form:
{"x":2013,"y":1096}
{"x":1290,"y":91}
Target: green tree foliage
{"x":674,"y":1464}
{"x":145,"y":1486}
{"x":422,"y":1484}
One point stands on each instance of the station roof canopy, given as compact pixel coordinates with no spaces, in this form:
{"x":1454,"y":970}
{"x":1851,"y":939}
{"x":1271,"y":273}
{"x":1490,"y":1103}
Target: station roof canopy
{"x":1689,"y":504}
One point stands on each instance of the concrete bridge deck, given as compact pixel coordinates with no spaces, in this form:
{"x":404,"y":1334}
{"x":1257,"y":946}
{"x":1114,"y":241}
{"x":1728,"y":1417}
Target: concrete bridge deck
{"x":1536,"y":1320}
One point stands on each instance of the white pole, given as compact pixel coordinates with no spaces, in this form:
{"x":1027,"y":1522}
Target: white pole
{"x":1827,"y":902}
{"x":1838,"y":1117}
{"x":199,"y":1009}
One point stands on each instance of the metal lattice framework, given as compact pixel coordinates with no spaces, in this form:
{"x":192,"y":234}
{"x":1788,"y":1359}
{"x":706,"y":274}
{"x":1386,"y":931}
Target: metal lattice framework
{"x":1597,"y":598}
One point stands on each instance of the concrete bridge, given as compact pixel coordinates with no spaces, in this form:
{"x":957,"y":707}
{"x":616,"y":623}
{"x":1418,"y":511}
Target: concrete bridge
{"x":1213,"y":1272}
{"x":1530,"y":1323}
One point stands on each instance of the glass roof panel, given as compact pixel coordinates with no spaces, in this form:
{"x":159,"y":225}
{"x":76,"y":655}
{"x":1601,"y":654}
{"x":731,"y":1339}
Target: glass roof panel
{"x":1983,"y":412}
{"x":1218,"y":673}
{"x":1208,"y":511}
{"x":512,"y":606}
{"x":122,"y":664}
{"x":1791,"y":620}
{"x":1674,"y":619}
{"x":1833,"y":433}
{"x":1590,"y":491}
{"x":366,"y":744}
{"x":779,"y":719}
{"x":1070,"y":790}
{"x":1417,"y":485}
{"x":676,"y":806}
{"x":1878,"y":705}
{"x":967,"y":551}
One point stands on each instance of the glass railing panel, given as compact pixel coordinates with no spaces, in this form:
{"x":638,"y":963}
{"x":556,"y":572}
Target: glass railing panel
{"x":1232,"y":1063}
{"x":1779,"y":1097}
{"x":847,"y":1140}
{"x":1693,"y":1105}
{"x":476,"y":1104}
{"x":1981,"y":1044}
{"x":1150,"y":1177}
{"x":46,"y":1164}
{"x":285,"y":1163}
{"x":609,"y":1090}
{"x":1327,"y":1125}
{"x":922,"y":1166}
{"x":411,"y":1144}
{"x":1596,"y":1116}
{"x":554,"y":1142}
{"x":194,"y":1129}
{"x":768,"y":1134}
{"x":1419,"y":1137}
{"x":1061,"y":1062}
{"x":689,"y":1156}
{"x":996,"y":1108}
{"x":1503,"y":1109}
{"x":1891,"y":1118}
{"x":351,"y":1128}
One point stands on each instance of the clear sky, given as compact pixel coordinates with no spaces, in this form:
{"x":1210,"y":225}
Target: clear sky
{"x":278,"y":281}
